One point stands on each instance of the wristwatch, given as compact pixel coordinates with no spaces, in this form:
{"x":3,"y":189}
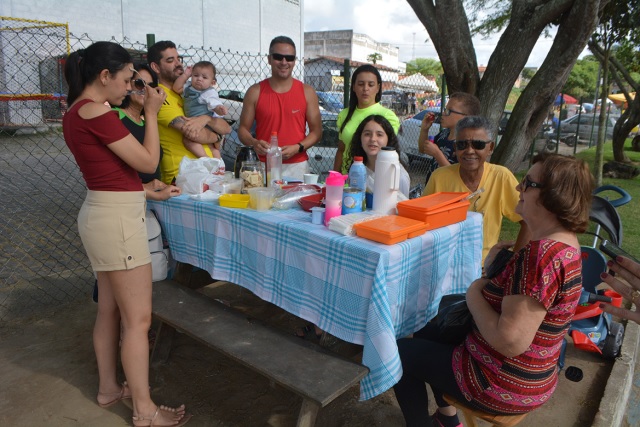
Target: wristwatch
{"x":301,"y":149}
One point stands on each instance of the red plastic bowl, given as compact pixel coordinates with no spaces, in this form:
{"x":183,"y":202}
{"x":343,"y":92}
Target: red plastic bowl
{"x":308,"y":202}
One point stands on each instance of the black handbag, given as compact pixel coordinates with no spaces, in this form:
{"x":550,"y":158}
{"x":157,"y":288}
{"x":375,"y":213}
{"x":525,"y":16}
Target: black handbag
{"x":453,"y":319}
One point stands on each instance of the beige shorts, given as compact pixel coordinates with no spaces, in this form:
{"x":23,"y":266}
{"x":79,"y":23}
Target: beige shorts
{"x":113,"y":230}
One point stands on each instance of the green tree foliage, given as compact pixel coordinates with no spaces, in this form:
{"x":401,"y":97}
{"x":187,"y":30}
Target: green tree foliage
{"x":374,"y":58}
{"x":581,"y":83}
{"x":425,"y":66}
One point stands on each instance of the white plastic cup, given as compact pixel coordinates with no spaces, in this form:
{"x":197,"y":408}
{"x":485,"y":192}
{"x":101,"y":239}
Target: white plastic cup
{"x":310,"y":178}
{"x":317,"y":215}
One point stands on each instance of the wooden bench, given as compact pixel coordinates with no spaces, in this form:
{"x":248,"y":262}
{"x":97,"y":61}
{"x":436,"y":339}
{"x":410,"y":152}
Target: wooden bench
{"x":306,"y":369}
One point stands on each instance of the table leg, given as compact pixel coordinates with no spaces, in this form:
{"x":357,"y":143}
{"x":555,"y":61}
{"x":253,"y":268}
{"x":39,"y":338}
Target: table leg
{"x":308,"y":413}
{"x":162,"y":346}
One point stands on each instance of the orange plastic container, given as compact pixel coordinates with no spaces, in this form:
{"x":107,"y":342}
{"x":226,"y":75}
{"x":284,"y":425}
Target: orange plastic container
{"x":437,"y":210}
{"x":390,"y":229}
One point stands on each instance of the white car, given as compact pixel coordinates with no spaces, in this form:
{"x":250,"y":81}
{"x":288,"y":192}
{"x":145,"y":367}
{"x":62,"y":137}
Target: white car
{"x":409,"y":133}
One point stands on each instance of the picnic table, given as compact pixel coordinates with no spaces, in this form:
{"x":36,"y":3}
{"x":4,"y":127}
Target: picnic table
{"x":358,"y":290}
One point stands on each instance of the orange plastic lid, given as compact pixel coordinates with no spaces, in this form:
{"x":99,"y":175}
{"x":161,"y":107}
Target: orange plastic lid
{"x":390,"y":229}
{"x":434,"y":201}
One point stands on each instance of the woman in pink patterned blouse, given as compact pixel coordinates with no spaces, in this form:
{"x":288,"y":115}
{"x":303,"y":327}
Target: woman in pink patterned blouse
{"x":507,"y":364}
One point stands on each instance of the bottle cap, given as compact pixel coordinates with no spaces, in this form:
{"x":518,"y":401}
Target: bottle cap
{"x":358,"y":158}
{"x":388,"y":148}
{"x":336,"y":178}
{"x":274,"y":133}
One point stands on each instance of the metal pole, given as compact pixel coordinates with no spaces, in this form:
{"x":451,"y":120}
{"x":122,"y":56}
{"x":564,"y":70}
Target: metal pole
{"x":595,"y":103}
{"x":559,"y":122}
{"x":575,"y":146}
{"x":347,"y":82}
{"x":151,"y":40}
{"x":444,"y":94}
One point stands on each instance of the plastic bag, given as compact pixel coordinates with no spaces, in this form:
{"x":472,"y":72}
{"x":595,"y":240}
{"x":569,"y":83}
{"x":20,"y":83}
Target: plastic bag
{"x":287,"y":199}
{"x":454,"y":320}
{"x":196,"y":175}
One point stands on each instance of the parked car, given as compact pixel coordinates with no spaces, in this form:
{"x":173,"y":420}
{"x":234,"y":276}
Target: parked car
{"x":234,"y":95}
{"x":321,"y":155}
{"x":583,"y":125}
{"x":331,"y":101}
{"x":409,"y":132}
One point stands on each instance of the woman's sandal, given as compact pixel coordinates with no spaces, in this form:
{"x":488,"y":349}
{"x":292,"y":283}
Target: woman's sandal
{"x":119,"y":395}
{"x":140,"y":420}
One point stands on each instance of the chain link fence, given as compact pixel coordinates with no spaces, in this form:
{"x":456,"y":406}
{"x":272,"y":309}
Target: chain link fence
{"x":42,"y":261}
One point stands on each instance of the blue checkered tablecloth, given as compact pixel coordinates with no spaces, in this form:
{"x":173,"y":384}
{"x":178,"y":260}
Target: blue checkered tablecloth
{"x":360,"y":291}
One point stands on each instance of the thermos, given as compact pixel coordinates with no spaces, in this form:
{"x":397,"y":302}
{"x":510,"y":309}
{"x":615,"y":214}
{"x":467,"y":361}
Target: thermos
{"x":386,"y":181}
{"x":333,"y":197}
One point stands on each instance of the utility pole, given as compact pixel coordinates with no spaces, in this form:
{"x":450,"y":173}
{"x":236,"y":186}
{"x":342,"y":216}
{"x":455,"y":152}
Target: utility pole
{"x":413,"y":52}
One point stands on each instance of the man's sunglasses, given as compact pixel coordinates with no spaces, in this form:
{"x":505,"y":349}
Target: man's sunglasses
{"x":280,"y":57}
{"x":477,"y":144}
{"x":526,"y":183}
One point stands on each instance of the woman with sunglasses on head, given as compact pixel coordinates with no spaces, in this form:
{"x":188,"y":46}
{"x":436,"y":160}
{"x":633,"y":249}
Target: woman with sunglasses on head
{"x":508,"y":363}
{"x":131,"y":113}
{"x":441,"y":149}
{"x":496,"y":184}
{"x":366,"y":93}
{"x":111,"y":221}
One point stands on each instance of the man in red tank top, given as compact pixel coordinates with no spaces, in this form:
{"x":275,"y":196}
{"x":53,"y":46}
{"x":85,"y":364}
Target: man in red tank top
{"x":284,"y":105}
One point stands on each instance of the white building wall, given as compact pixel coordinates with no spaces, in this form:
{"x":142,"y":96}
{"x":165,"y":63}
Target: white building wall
{"x":244,"y":26}
{"x":237,"y":25}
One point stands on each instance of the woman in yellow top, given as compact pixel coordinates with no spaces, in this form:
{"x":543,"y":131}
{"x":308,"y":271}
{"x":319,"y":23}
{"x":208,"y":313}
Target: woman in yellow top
{"x":366,"y":92}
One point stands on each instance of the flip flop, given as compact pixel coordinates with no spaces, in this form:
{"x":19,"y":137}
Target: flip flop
{"x":119,"y":396}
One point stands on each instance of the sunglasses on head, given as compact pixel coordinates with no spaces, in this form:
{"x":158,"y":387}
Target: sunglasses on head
{"x":526,"y":183}
{"x":477,"y":144}
{"x":280,"y":57}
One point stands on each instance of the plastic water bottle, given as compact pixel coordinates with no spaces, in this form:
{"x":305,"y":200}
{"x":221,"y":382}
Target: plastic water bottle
{"x":386,"y":181}
{"x":274,"y":162}
{"x":333,"y":197}
{"x":358,"y":174}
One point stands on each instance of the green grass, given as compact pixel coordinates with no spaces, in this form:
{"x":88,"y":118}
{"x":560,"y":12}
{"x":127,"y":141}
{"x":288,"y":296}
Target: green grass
{"x":628,"y":213}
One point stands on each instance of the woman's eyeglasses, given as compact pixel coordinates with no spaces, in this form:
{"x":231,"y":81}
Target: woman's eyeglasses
{"x":280,"y":57}
{"x":477,"y":144}
{"x":526,"y":183}
{"x":448,"y":111}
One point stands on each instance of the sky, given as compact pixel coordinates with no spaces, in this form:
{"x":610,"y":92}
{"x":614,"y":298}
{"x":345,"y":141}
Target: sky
{"x":394,"y":22}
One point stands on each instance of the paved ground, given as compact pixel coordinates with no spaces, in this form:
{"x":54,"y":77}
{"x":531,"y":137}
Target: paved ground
{"x":49,"y":378}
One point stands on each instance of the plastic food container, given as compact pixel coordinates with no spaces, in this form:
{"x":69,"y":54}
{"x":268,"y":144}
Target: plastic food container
{"x":234,"y":200}
{"x":437,"y":210}
{"x":390,"y":229}
{"x":261,"y":198}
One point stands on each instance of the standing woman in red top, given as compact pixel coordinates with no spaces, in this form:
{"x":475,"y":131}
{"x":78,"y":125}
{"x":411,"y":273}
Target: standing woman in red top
{"x":111,"y":221}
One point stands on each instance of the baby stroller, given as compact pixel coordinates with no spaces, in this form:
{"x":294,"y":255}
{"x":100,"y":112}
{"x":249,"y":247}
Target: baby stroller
{"x":592,"y":329}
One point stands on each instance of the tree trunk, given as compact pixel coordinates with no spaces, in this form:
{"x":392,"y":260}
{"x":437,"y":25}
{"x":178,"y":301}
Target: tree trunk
{"x":602,"y":120}
{"x":447,"y":25}
{"x":631,"y":116}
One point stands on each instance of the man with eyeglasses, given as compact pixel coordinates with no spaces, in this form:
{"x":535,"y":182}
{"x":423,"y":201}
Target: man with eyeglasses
{"x":284,"y":105}
{"x":497,"y":197}
{"x":441,"y":149}
{"x":163,"y":58}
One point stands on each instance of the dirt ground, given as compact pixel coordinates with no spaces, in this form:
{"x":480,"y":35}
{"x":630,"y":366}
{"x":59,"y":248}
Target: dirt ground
{"x":49,"y":377}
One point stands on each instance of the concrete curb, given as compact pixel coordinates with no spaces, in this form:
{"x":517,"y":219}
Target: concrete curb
{"x":616,"y":394}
